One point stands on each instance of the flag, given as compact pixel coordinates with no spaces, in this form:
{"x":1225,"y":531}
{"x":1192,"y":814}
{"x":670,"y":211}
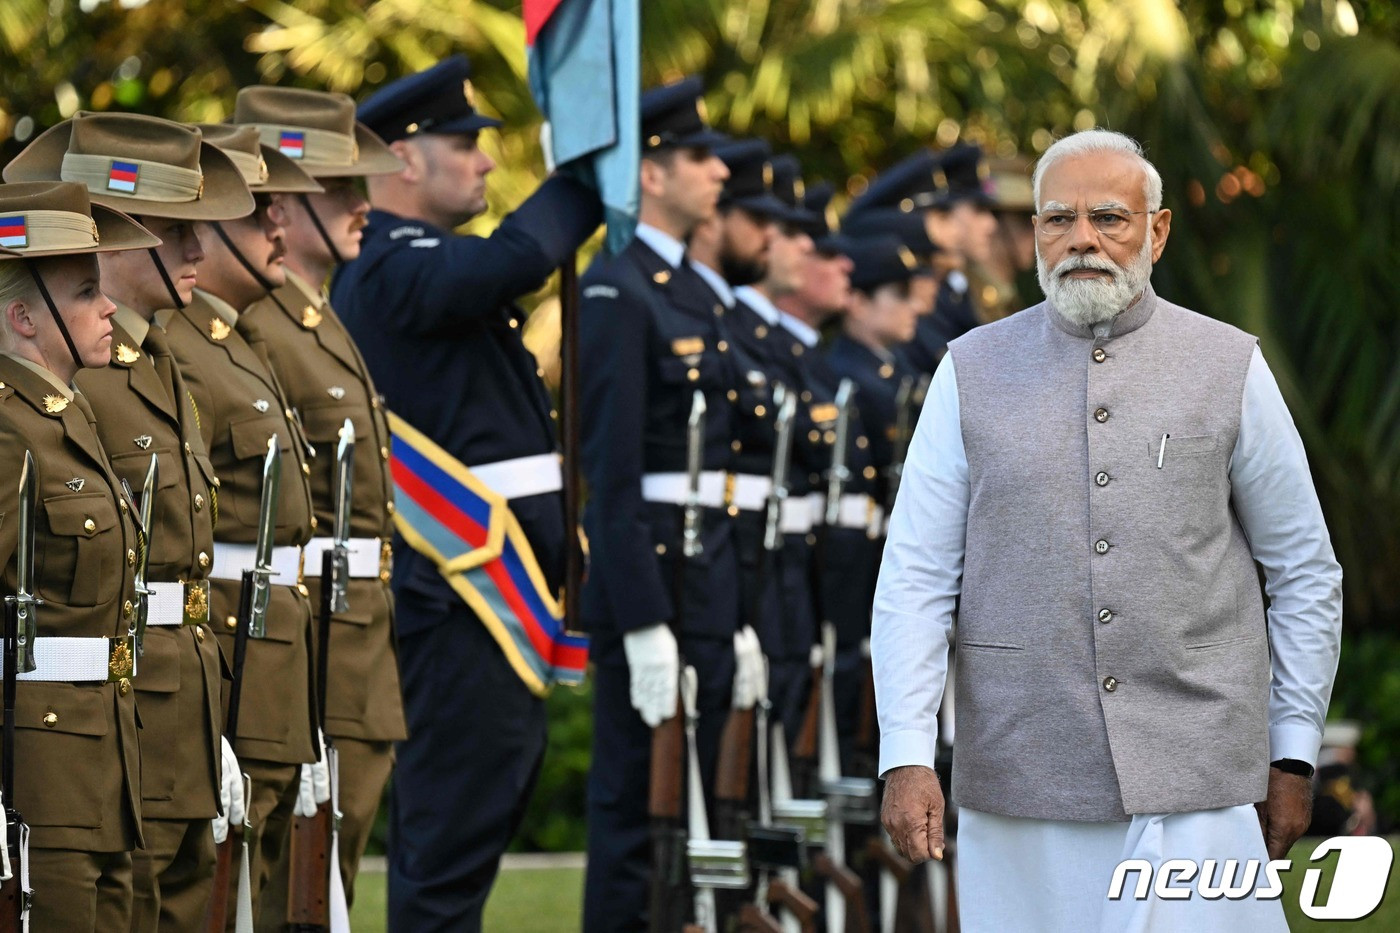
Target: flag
{"x":122,"y":176}
{"x":291,"y":144}
{"x":469,"y":532}
{"x":585,"y":74}
{"x":14,"y":233}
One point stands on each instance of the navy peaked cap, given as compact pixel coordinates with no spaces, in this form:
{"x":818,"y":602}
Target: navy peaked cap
{"x":439,"y":100}
{"x":672,"y":117}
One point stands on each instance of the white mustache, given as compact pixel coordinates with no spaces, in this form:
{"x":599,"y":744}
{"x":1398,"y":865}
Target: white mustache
{"x":1097,"y":263}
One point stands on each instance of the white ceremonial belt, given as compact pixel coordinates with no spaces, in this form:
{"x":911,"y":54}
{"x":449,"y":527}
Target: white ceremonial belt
{"x":364,"y":556}
{"x":674,"y":488}
{"x":796,"y":516}
{"x":230,"y":560}
{"x":858,"y":510}
{"x":750,"y":491}
{"x":167,"y":604}
{"x":520,"y":477}
{"x":81,"y":660}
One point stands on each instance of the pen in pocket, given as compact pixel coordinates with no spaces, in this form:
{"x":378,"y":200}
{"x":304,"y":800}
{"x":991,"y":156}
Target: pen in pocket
{"x":1162,"y":451}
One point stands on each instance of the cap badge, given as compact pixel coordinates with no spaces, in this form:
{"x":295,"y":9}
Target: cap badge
{"x":262,"y":404}
{"x":219,"y":329}
{"x":262,"y":170}
{"x":906,"y":257}
{"x":662,"y":277}
{"x":144,"y":441}
{"x":121,"y":176}
{"x":469,"y":92}
{"x":291,"y":144}
{"x":310,"y":317}
{"x":54,"y":404}
{"x":799,"y":189}
{"x":76,"y":484}
{"x":126,"y":354}
{"x":336,"y":392}
{"x":767,"y":174}
{"x":14,"y":232}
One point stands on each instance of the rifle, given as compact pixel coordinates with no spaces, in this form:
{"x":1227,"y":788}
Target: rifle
{"x":19,"y":628}
{"x":314,"y":899}
{"x":805,"y":818}
{"x":667,"y":907}
{"x":253,"y":597}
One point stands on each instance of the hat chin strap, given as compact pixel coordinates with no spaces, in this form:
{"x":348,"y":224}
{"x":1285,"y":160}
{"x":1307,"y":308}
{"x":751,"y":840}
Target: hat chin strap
{"x":53,"y":309}
{"x":242,"y":260}
{"x":320,"y":228}
{"x":165,"y":277}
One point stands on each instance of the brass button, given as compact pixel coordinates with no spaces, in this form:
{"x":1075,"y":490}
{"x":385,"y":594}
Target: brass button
{"x":288,"y":413}
{"x":1101,"y":546}
{"x":1105,"y":615}
{"x":187,"y":447}
{"x":869,"y":472}
{"x":886,"y":370}
{"x":759,"y":411}
{"x":805,"y":396}
{"x":89,"y":526}
{"x":123,"y":686}
{"x":814,"y":436}
{"x":126,"y":609}
{"x":383,"y":453}
{"x":862,"y":442}
{"x":1101,"y":478}
{"x":203,"y":561}
{"x":374,"y":402}
{"x":1110,"y":684}
{"x":760,"y":332}
{"x":732,"y":395}
{"x":306,"y":469}
{"x":50,"y":719}
{"x":661,"y":549}
{"x":314,"y":523}
{"x":733,"y":511}
{"x":797,"y":349}
{"x":198,"y":502}
{"x":130,"y":557}
{"x":829,"y":437}
{"x":199,"y":634}
{"x":692,"y":374}
{"x":553,"y":415}
{"x":301,"y":588}
{"x":722,"y":346}
{"x":1101,"y":415}
{"x":231,"y":623}
{"x":389,"y":507}
{"x":1099,"y":355}
{"x":122,"y":503}
{"x":736,"y":446}
{"x":811,"y":539}
{"x":514,"y":323}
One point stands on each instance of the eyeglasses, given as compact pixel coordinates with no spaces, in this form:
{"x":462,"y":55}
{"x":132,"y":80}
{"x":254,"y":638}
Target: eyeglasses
{"x":1113,"y":224}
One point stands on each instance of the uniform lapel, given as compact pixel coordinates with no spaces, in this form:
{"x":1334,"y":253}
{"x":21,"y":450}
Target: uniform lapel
{"x":140,"y":372}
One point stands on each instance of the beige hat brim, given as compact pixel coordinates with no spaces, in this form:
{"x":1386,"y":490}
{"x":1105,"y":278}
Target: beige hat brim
{"x":115,"y":232}
{"x":285,"y":176}
{"x":375,"y":158}
{"x":225,"y":195}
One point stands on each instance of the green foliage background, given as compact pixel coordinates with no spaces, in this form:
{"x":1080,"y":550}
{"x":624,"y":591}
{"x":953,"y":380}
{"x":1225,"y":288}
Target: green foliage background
{"x":1275,"y":123}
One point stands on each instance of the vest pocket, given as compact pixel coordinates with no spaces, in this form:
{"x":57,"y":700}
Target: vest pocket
{"x":1176,"y":446}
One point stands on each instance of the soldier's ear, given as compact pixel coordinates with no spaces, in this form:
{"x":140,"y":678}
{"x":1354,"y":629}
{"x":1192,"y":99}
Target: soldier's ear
{"x":19,"y":320}
{"x":654,"y":176}
{"x":411,"y":155}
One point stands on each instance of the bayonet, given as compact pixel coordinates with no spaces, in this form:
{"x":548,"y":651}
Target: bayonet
{"x":344,"y":483}
{"x":144,"y":592}
{"x":691,"y":545}
{"x":840,"y":473}
{"x":267,"y":520}
{"x":782,"y":461}
{"x":25,"y":600}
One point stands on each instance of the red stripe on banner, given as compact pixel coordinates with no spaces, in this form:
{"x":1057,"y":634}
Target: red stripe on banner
{"x":438,"y":506}
{"x":496,"y":570}
{"x":537,"y":13}
{"x":572,"y":657}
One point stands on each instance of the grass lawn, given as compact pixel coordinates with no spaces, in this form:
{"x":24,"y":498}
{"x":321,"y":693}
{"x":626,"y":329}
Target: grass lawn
{"x":547,"y":900}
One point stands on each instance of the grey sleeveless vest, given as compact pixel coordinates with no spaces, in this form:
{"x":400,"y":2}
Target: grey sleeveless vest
{"x":1111,"y":644}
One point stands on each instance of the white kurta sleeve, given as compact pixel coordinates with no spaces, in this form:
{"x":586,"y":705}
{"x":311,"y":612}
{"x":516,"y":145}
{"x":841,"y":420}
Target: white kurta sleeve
{"x":920,"y":578}
{"x":1277,"y":506}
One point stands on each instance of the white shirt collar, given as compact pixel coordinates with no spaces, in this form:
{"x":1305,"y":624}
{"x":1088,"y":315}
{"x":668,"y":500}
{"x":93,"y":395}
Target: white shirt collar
{"x":715,"y":281}
{"x":801,"y":330}
{"x":759,"y":302}
{"x":666,"y":246}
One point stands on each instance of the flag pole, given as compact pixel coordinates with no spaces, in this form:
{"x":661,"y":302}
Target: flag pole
{"x":569,"y":438}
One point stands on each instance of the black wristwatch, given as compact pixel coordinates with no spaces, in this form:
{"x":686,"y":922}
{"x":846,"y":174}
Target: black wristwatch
{"x":1293,"y":766}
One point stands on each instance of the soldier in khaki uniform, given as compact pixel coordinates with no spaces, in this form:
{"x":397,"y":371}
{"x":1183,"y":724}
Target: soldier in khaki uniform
{"x":142,"y":410}
{"x":240,"y":406}
{"x":326,"y":381}
{"x":77,"y":769}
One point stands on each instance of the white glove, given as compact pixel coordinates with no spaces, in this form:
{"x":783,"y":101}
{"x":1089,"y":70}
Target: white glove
{"x":654,"y":663}
{"x":748,"y":668}
{"x":230,"y":794}
{"x":817,"y":657}
{"x":865,"y":649}
{"x":315,"y":783}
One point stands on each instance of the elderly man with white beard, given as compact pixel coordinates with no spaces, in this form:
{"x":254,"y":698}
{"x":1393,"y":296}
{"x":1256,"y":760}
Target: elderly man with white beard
{"x":1090,"y":486}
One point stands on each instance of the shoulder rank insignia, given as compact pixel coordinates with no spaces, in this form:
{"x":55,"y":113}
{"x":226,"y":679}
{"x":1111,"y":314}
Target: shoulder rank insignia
{"x":144,"y":441}
{"x":262,"y":404}
{"x":76,"y":484}
{"x":336,"y":392}
{"x":126,"y":354}
{"x":687,"y":346}
{"x":53,"y":404}
{"x":823,"y":413}
{"x":218,"y":328}
{"x":310,"y":317}
{"x":662,"y":277}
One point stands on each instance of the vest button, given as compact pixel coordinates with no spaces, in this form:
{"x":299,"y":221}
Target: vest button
{"x":1110,"y":684}
{"x":1105,"y":615}
{"x":1101,"y":546}
{"x":1099,"y":355}
{"x":1101,"y":415}
{"x":1101,"y":479}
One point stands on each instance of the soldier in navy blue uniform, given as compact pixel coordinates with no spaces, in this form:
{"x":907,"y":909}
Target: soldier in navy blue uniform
{"x":650,"y":336}
{"x":964,"y":206}
{"x":433,"y":315}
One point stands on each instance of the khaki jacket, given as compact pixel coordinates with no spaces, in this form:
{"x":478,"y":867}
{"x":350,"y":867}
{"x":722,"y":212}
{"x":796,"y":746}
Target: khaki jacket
{"x":180,"y":676}
{"x":239,"y":406}
{"x":77,"y":757}
{"x":326,"y":382}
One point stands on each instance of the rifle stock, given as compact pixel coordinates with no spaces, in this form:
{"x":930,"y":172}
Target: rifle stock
{"x":852,"y":891}
{"x":732,"y":773}
{"x":804,"y":748}
{"x":11,"y":890}
{"x":667,"y":905}
{"x":794,"y":901}
{"x":216,"y":911}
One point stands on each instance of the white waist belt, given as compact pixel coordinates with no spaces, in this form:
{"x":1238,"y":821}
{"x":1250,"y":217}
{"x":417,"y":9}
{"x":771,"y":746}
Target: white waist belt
{"x":796,"y":517}
{"x":167,"y":604}
{"x":230,"y":560}
{"x":78,"y":660}
{"x":674,"y":488}
{"x":517,"y":478}
{"x":750,"y":491}
{"x":364,"y":556}
{"x":860,"y":511}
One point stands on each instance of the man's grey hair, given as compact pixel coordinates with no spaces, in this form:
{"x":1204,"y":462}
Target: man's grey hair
{"x":1096,"y":140}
